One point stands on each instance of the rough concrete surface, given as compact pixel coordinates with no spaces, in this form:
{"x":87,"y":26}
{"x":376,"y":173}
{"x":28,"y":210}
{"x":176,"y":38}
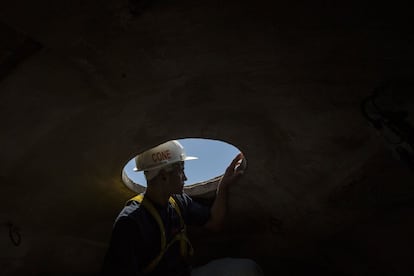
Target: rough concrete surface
{"x":86,"y":85}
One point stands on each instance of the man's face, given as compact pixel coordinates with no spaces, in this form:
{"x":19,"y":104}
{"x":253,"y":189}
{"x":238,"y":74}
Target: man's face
{"x":177,"y":178}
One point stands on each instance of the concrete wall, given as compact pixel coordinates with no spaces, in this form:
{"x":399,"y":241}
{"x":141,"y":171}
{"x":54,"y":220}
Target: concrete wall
{"x":282,"y":82}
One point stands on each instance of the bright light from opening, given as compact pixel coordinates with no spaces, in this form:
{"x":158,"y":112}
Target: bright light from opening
{"x":213,"y":158}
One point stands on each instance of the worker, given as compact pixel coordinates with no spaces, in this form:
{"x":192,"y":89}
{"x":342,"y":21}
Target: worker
{"x":149,"y":235}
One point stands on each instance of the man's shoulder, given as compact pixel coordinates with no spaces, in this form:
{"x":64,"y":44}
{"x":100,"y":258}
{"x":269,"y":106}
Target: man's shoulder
{"x":132,"y":211}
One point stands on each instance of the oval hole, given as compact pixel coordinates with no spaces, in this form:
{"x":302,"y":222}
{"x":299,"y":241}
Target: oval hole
{"x":213,"y":158}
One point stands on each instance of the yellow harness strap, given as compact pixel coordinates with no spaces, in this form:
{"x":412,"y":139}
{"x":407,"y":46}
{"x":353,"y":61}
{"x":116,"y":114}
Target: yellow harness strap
{"x":185,"y":246}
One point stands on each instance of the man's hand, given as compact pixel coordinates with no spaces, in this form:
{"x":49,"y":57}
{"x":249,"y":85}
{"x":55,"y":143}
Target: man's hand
{"x":219,"y":207}
{"x":232,"y":174}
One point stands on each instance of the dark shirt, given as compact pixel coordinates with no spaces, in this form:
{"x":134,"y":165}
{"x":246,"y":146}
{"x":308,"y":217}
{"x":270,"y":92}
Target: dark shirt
{"x":136,"y":238}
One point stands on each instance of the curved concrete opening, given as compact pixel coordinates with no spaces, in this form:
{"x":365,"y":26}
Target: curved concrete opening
{"x":203,"y":174}
{"x":283,"y":80}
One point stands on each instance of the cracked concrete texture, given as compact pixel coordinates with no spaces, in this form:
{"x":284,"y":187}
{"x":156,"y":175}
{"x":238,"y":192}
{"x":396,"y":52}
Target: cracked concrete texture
{"x":282,"y":82}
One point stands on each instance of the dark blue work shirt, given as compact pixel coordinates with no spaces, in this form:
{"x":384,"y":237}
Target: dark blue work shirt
{"x":136,"y":238}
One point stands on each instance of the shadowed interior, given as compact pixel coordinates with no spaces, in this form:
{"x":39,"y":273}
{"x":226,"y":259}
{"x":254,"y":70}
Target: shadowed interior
{"x":85,"y":84}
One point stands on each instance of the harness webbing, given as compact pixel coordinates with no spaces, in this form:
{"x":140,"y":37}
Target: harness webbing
{"x":186,"y":248}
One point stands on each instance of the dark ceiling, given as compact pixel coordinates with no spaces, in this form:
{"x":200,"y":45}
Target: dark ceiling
{"x":86,"y":85}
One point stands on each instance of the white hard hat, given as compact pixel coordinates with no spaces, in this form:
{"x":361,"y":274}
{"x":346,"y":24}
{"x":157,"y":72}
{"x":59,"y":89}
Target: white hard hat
{"x":162,"y":155}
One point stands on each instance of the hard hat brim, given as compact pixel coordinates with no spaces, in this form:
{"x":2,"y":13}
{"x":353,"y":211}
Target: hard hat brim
{"x":187,"y":158}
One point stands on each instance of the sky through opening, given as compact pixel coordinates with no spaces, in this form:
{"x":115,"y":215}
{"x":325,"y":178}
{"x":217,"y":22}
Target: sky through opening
{"x":213,"y":158}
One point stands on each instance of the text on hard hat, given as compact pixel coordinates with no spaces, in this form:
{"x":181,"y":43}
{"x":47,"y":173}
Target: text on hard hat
{"x":161,"y":156}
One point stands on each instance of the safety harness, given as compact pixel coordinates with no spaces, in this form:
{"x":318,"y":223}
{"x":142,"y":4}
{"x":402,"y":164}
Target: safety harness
{"x":186,"y":248}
